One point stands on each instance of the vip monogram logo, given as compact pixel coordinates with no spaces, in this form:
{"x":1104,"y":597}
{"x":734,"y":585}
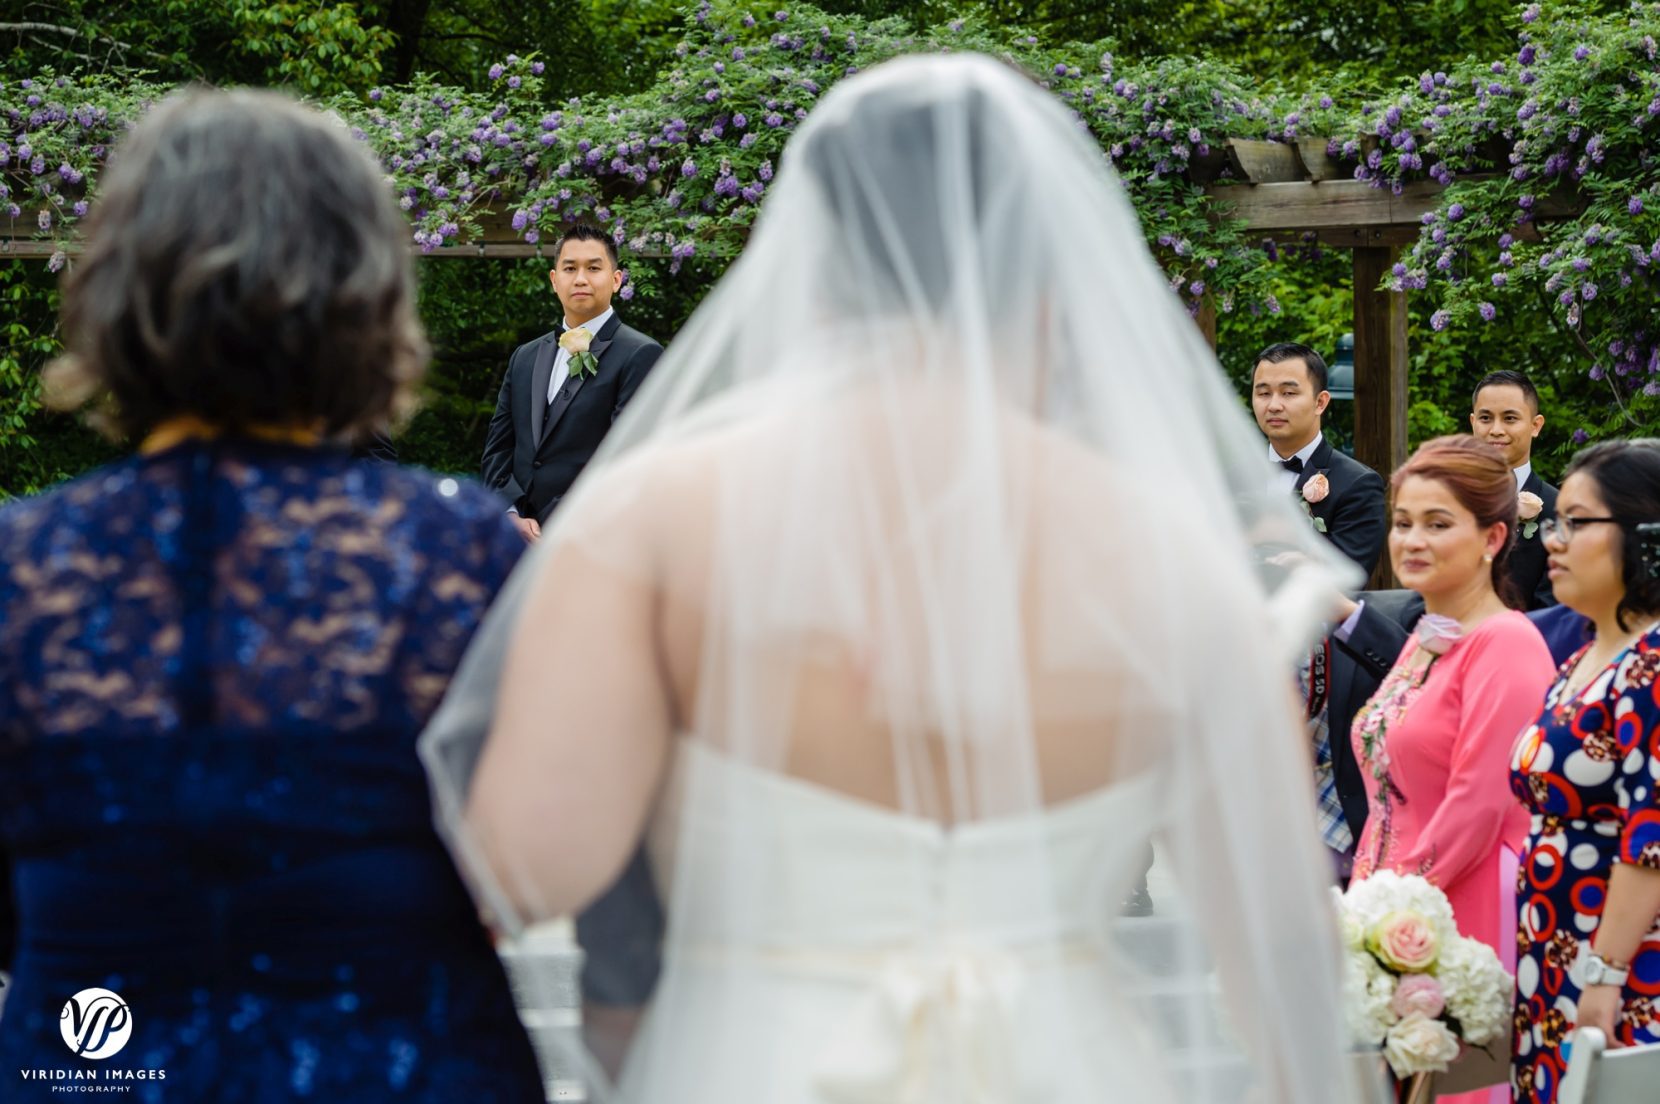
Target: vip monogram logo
{"x":96,"y":1023}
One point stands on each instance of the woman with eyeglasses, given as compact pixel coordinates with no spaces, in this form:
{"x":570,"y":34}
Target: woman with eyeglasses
{"x":1588,"y":770}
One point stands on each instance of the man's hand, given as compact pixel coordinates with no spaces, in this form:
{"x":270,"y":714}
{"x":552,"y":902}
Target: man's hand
{"x":527,"y":527}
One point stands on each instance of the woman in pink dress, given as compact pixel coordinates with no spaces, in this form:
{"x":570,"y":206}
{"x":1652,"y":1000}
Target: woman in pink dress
{"x":1435,"y":740}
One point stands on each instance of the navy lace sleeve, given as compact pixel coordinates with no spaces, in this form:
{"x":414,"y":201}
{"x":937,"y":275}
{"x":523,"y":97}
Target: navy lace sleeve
{"x":214,"y":664}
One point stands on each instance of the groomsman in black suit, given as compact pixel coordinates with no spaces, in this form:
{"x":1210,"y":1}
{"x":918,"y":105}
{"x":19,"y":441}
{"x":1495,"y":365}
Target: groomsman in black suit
{"x":1343,"y":497}
{"x":1362,"y":647}
{"x":563,"y":390}
{"x":1505,"y":412}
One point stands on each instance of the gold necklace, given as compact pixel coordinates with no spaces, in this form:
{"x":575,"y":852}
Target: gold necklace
{"x":1576,"y":684}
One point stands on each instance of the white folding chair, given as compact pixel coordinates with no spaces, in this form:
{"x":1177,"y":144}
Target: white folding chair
{"x":1597,"y":1075}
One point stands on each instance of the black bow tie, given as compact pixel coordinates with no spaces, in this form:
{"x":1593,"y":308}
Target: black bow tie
{"x":1295,"y":464}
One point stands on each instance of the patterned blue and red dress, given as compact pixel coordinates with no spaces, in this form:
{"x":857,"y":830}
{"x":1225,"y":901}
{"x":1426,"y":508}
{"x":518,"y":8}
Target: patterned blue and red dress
{"x":1589,"y":771}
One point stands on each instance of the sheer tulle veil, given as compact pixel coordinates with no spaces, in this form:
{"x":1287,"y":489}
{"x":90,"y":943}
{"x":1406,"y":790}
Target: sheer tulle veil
{"x":944,"y":502}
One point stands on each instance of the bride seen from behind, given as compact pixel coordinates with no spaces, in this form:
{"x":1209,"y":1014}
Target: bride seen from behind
{"x":913,"y":595}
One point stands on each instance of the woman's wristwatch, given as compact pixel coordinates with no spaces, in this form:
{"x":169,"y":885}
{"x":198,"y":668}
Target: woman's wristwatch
{"x":1599,"y":971}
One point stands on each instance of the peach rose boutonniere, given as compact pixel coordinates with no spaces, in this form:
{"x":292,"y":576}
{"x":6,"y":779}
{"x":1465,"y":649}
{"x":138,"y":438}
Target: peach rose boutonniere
{"x":1316,"y":490}
{"x":575,"y":341}
{"x":1528,"y":506}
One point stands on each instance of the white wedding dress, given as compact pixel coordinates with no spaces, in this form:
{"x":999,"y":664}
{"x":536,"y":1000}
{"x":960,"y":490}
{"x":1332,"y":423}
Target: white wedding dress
{"x":900,"y":960}
{"x":930,"y":575}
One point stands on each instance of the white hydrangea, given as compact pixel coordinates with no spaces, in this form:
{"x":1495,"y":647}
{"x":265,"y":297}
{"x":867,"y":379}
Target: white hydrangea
{"x":1385,"y":892}
{"x":1478,"y":989}
{"x":1352,"y":930}
{"x":1368,"y":990}
{"x":1419,"y":1045}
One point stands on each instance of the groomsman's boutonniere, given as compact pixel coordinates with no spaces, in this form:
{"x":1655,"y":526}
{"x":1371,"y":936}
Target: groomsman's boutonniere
{"x":1528,"y":506}
{"x":1316,"y":490}
{"x":575,"y":342}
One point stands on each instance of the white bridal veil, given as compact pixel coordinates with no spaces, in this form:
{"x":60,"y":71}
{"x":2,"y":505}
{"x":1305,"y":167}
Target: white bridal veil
{"x":939,"y":502}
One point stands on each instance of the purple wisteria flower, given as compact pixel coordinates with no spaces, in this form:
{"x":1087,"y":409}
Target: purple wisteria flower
{"x":1580,"y":437}
{"x":1635,"y":205}
{"x":537,"y":68}
{"x":1581,"y":53}
{"x":688,"y":168}
{"x":1439,"y":320}
{"x":496,"y":71}
{"x":1500,"y":279}
{"x":1488,"y":311}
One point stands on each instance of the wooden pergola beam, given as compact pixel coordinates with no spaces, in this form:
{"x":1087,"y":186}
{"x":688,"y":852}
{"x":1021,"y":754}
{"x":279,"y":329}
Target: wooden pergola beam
{"x":1345,"y":206}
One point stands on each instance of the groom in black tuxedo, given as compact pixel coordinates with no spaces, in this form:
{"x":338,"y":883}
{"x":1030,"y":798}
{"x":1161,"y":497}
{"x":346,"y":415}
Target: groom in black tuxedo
{"x":1343,"y":497}
{"x":561,"y":394}
{"x":563,"y":390}
{"x":1505,"y":413}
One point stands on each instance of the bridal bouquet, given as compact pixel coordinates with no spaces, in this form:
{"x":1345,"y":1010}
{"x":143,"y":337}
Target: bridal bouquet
{"x":1412,"y":985}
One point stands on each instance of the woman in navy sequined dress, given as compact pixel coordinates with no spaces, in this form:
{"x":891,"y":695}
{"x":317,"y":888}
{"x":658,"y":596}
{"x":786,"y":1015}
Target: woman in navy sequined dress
{"x":215,"y":656}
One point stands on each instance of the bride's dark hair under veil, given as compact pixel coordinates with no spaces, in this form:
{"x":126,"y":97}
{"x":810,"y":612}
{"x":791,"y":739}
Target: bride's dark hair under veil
{"x":938,"y":506}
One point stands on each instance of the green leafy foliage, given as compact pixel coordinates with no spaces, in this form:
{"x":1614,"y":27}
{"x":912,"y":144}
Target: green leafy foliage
{"x":664,"y":124}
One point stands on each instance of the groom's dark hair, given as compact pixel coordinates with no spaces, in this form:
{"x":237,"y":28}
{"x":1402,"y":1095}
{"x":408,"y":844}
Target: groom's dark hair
{"x":582,"y":231}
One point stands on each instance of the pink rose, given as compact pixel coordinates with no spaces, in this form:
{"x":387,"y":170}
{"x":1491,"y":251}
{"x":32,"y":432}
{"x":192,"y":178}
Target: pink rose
{"x":1316,"y":489}
{"x":1437,"y":633}
{"x":1528,"y":505}
{"x":1404,"y":942}
{"x":1418,"y":993}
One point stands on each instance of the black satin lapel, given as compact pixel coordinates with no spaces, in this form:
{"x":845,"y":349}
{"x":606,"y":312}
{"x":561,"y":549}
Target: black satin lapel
{"x":540,"y":373}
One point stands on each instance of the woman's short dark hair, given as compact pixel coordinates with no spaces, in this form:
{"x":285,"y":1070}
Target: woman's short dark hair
{"x":245,"y":264}
{"x":1627,"y":475}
